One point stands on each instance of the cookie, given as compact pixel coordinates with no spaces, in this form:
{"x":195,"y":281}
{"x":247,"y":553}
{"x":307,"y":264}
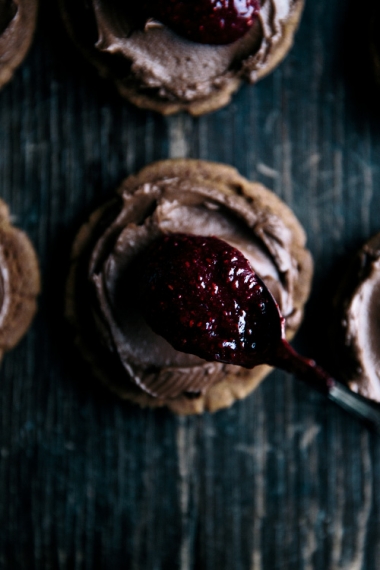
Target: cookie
{"x":17,"y":25}
{"x":355,"y":334}
{"x":19,"y":282}
{"x":155,"y":68}
{"x":189,"y":196}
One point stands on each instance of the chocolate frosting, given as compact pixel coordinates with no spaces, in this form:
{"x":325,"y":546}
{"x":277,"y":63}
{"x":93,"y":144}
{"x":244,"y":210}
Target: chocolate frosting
{"x":160,"y":63}
{"x":358,"y":304}
{"x":146,"y":209}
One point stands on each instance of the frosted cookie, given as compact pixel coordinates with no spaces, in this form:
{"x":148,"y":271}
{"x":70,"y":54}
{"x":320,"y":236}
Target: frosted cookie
{"x":173,"y":56}
{"x":195,"y":197}
{"x":19,"y":282}
{"x":356,"y":334}
{"x":17,"y":25}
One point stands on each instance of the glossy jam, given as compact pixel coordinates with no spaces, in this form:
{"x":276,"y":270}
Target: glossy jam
{"x":202,"y":295}
{"x":205,"y":21}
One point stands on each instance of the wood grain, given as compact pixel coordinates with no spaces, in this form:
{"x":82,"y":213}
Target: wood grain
{"x":282,"y":480}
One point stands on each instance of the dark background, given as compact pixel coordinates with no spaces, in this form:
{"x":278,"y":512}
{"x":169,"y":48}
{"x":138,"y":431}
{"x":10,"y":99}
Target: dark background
{"x":282,"y":480}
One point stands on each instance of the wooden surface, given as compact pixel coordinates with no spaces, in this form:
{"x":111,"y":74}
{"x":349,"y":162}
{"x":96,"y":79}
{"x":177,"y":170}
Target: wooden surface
{"x":282,"y":480}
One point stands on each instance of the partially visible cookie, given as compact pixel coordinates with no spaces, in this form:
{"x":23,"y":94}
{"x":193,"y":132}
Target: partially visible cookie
{"x":17,"y":25}
{"x":190,"y":196}
{"x":155,"y":68}
{"x":356,"y":331}
{"x":19,"y":282}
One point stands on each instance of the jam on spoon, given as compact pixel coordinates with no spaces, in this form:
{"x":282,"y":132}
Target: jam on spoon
{"x":205,"y":21}
{"x":202,"y":296}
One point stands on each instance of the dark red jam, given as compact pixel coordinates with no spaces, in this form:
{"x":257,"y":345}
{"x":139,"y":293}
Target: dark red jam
{"x":202,"y":295}
{"x":205,"y":21}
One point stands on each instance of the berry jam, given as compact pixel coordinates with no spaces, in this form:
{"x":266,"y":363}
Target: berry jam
{"x":202,"y":295}
{"x":205,"y":21}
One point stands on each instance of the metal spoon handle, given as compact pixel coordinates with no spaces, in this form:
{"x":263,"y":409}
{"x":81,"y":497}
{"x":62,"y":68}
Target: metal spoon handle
{"x":363,"y":409}
{"x":313,"y":375}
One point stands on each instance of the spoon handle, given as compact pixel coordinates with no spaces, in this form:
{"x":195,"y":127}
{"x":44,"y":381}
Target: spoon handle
{"x":365,"y":410}
{"x":313,"y":375}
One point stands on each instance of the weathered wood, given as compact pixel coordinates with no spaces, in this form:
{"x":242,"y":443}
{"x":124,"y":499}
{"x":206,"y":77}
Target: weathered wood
{"x":282,"y":480}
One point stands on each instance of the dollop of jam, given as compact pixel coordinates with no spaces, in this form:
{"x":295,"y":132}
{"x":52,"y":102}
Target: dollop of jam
{"x":205,"y":21}
{"x":202,"y":295}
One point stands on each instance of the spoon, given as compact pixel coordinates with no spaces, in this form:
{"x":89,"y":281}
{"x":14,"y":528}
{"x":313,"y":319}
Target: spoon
{"x":202,"y":295}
